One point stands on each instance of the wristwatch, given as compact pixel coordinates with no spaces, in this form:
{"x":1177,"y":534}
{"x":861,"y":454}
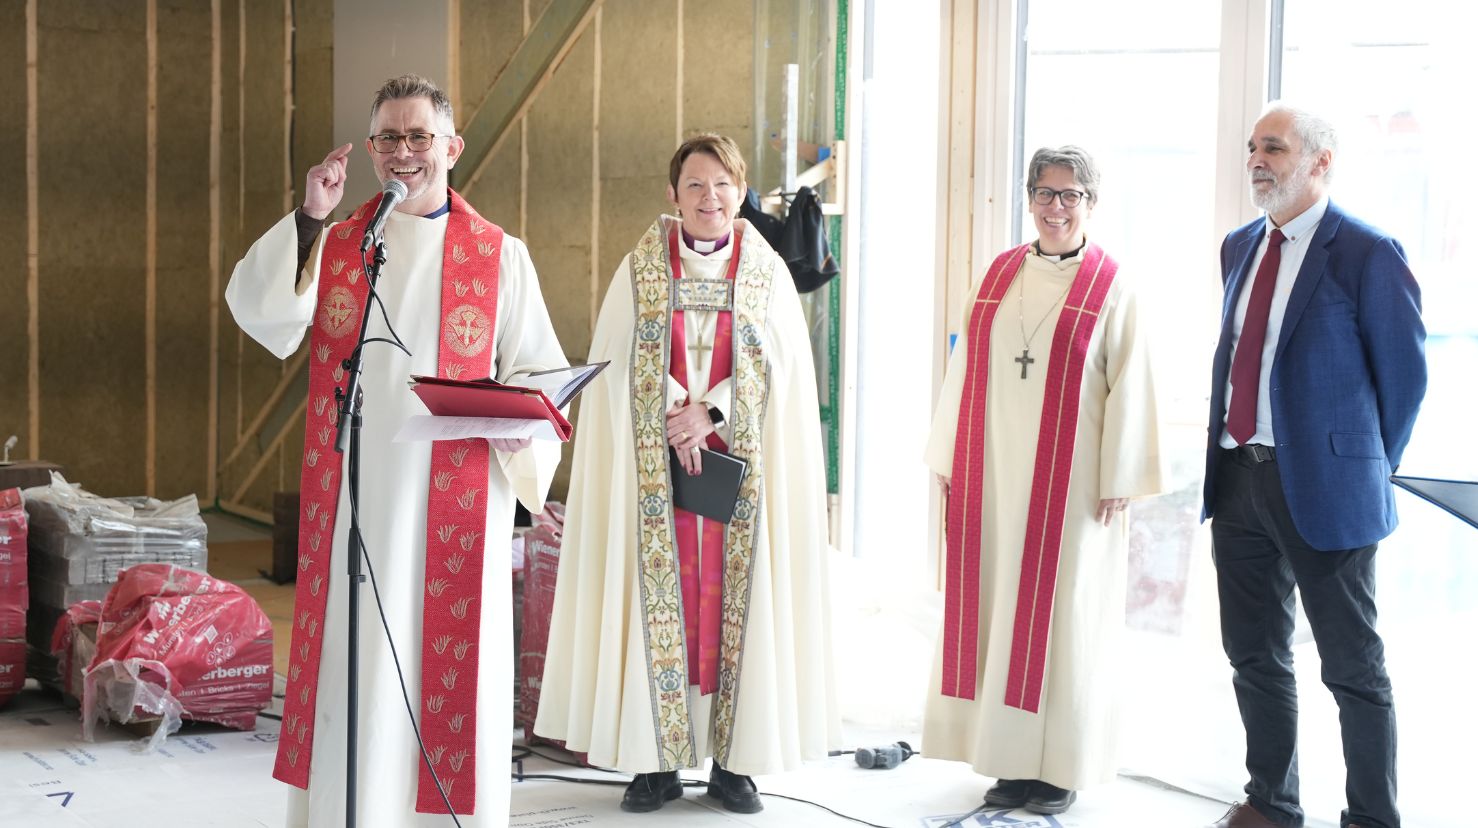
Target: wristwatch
{"x":716,"y":416}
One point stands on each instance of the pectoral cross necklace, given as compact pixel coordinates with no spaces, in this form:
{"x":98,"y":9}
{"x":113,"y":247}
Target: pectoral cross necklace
{"x":1026,"y":341}
{"x":703,"y":343}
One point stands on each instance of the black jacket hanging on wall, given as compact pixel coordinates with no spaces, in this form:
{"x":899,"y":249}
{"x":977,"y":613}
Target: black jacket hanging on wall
{"x":800,"y":239}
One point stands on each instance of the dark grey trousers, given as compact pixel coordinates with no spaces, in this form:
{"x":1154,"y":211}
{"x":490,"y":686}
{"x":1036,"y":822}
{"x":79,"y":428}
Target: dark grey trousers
{"x":1260,"y":557}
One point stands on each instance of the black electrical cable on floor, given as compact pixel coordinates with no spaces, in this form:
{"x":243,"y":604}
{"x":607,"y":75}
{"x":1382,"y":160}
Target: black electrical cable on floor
{"x":521,"y":753}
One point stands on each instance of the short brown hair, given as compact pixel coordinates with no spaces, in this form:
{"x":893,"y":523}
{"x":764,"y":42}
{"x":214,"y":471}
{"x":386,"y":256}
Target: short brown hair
{"x":413,"y":86}
{"x":710,"y":143}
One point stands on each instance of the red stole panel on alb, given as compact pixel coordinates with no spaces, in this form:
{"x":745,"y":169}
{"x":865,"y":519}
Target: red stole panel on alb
{"x":459,"y":474}
{"x":702,"y":590}
{"x":1051,"y":476}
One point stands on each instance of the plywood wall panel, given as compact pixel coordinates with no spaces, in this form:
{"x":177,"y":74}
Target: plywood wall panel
{"x":183,"y":243}
{"x":313,"y":88}
{"x":561,"y":191}
{"x":262,"y":177}
{"x":490,"y":34}
{"x":638,"y":116}
{"x":91,"y":303}
{"x":718,"y":70}
{"x":14,"y":340}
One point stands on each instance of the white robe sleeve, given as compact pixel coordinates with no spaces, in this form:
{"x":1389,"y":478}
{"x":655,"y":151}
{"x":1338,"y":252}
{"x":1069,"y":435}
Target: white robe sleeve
{"x":1133,"y":462}
{"x":267,"y":299}
{"x":526,"y":342}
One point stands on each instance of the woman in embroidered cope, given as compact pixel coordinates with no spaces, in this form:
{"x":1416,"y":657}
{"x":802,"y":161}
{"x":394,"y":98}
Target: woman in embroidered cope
{"x":1046,"y":427}
{"x":675,"y":637}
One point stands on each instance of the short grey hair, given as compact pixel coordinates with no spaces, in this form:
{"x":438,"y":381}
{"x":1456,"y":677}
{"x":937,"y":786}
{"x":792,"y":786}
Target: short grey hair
{"x":1077,"y":159}
{"x":1315,"y":133}
{"x":414,"y":86}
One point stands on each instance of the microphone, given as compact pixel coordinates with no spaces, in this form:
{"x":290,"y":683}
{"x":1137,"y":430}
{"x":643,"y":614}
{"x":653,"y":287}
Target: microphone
{"x":393,"y":193}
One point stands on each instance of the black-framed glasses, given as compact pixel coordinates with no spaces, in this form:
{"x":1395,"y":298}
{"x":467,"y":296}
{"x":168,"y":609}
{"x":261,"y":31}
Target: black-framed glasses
{"x":386,"y":142}
{"x":1069,"y":198}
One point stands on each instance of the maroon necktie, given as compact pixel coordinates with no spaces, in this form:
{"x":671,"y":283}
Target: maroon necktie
{"x":1247,"y":363}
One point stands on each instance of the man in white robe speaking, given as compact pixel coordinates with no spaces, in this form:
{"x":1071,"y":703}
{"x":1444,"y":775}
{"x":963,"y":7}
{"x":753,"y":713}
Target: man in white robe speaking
{"x":676,"y":637}
{"x":436,"y":518}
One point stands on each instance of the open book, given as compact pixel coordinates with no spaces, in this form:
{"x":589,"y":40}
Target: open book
{"x":488,"y":408}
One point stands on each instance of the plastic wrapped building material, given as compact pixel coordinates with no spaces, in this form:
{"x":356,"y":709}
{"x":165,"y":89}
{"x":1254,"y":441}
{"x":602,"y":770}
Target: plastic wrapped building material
{"x":79,"y":543}
{"x":177,"y":644}
{"x":14,"y":597}
{"x":78,"y":537}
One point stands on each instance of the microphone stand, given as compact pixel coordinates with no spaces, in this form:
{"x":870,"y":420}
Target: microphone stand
{"x":351,"y":404}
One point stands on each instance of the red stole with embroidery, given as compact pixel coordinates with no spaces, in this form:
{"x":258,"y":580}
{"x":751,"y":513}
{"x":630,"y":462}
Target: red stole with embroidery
{"x":1056,"y":437}
{"x":702,"y":590}
{"x":456,"y":511}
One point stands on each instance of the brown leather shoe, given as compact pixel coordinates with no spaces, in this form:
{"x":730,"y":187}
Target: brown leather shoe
{"x":1243,"y":815}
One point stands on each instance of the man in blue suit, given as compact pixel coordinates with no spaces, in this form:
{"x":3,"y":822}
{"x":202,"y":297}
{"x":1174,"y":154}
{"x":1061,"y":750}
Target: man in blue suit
{"x":1316,"y":383}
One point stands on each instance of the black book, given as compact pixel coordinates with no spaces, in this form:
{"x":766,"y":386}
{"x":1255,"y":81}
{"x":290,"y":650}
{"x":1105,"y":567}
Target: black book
{"x":713,"y":493}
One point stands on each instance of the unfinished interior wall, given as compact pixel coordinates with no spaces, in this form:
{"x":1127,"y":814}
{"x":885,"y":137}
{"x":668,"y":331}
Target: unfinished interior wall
{"x":159,"y":138}
{"x":586,"y":172}
{"x":186,"y":134}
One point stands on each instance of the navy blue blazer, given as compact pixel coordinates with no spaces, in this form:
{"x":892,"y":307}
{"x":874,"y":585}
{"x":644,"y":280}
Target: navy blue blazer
{"x":1347,"y":379}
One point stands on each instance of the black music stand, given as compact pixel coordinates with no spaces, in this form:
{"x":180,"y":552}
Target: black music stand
{"x":1458,"y":498}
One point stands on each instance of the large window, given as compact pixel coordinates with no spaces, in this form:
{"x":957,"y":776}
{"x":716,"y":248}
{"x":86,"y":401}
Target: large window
{"x":1141,"y":85}
{"x":1395,"y":80}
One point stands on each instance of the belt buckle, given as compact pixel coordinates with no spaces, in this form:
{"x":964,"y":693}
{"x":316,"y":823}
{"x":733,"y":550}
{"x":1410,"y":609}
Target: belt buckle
{"x":1260,"y":453}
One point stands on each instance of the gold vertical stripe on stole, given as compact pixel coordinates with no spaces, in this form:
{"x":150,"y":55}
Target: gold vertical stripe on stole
{"x":1051,"y":478}
{"x":751,"y":301}
{"x":663,"y":629}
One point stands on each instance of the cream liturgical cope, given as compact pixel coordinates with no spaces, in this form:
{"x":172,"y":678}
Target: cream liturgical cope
{"x":1070,"y":740}
{"x":775,"y":702}
{"x":394,"y":485}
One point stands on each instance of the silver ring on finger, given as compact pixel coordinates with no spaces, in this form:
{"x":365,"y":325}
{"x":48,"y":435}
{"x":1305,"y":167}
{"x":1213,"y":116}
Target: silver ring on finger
{"x":695,"y":450}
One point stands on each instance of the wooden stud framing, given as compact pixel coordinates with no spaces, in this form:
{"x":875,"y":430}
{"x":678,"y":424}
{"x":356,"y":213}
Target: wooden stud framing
{"x":292,"y":367}
{"x":212,"y":405}
{"x":151,"y":250}
{"x":595,"y":176}
{"x":509,"y":98}
{"x":270,"y":453}
{"x":33,"y":237}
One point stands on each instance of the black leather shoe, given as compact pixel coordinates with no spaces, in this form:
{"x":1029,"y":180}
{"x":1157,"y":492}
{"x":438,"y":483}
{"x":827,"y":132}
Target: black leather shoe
{"x":738,"y":793}
{"x":1009,"y":793}
{"x":1049,"y":799}
{"x":650,"y":791}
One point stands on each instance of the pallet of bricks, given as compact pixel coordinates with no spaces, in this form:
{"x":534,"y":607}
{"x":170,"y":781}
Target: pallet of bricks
{"x":13,"y":594}
{"x":78,"y":544}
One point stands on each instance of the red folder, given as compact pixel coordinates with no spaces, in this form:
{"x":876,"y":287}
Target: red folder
{"x":485,"y":398}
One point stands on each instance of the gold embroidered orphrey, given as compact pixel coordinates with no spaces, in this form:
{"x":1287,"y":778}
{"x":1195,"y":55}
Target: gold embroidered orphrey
{"x":663,"y":629}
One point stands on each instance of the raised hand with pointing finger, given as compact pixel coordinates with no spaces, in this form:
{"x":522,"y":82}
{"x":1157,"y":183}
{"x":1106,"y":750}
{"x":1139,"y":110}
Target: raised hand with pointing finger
{"x":326,"y":183}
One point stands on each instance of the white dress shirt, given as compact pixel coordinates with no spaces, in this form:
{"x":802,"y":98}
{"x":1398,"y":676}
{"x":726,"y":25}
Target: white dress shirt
{"x":1298,"y":234}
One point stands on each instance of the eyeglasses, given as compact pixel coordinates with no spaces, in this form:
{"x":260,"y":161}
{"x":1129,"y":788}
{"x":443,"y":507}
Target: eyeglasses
{"x":1069,"y":198}
{"x":386,"y":142}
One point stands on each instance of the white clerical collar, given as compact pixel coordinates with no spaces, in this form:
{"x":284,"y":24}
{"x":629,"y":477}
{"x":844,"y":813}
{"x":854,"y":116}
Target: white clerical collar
{"x":1058,"y":257}
{"x":1304,"y":222}
{"x":704,"y":246}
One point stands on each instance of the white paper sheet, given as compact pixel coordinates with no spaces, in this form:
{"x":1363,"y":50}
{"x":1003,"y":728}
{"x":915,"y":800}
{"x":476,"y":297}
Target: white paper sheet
{"x":422,"y":427}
